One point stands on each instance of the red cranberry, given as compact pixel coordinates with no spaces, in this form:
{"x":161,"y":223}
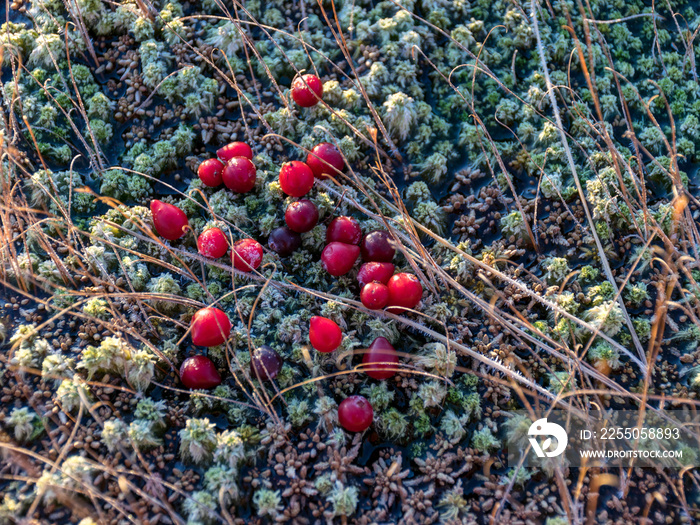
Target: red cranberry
{"x":265,"y":363}
{"x":324,"y":334}
{"x":355,"y":414}
{"x":375,"y":271}
{"x":210,"y":172}
{"x":169,"y":221}
{"x":380,"y":351}
{"x":404,"y":290}
{"x":307,"y":90}
{"x":301,"y":216}
{"x":239,"y":174}
{"x":284,"y":241}
{"x":376,"y":246}
{"x":209,"y":327}
{"x":235,"y":149}
{"x":325,"y":159}
{"x":344,"y":229}
{"x":247,"y":255}
{"x":212,"y":243}
{"x":338,"y":258}
{"x":199,"y":373}
{"x":374,"y":295}
{"x":296,"y":178}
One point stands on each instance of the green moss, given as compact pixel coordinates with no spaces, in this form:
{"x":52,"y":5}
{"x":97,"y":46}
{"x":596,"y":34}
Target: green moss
{"x":607,"y":317}
{"x":268,"y":503}
{"x":603,"y":355}
{"x":393,"y":424}
{"x":484,"y":441}
{"x":555,"y":269}
{"x":379,"y":395}
{"x":513,"y":224}
{"x":344,"y":499}
{"x":197,"y":441}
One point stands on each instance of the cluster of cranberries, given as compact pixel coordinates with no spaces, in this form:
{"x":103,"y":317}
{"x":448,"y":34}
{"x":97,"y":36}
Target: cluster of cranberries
{"x":236,"y":170}
{"x":379,"y":362}
{"x":211,"y":326}
{"x":296,"y":179}
{"x":380,"y":287}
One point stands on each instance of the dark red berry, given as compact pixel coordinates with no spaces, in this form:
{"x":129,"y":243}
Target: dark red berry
{"x":374,"y":295}
{"x":211,"y":172}
{"x":296,"y":178}
{"x":376,"y":246}
{"x":325,"y":159}
{"x":324,"y":334}
{"x":375,"y":271}
{"x":307,"y":90}
{"x":301,"y":216}
{"x":210,"y":327}
{"x":344,"y":229}
{"x":265,"y":363}
{"x":355,"y":414}
{"x":284,"y":241}
{"x":212,"y":243}
{"x":246,"y":255}
{"x":169,"y":221}
{"x":199,"y":373}
{"x":404,"y":290}
{"x":239,"y":174}
{"x":235,"y":149}
{"x":338,"y":258}
{"x":380,"y":351}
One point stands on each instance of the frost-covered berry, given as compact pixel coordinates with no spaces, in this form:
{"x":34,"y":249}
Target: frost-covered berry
{"x":284,"y":241}
{"x":234,"y":149}
{"x":301,"y":216}
{"x":325,"y":159}
{"x":296,"y":178}
{"x":169,"y":221}
{"x":344,"y":229}
{"x":375,"y":271}
{"x":239,"y":174}
{"x":374,"y":295}
{"x":355,"y":414}
{"x":247,"y":255}
{"x":338,"y":258}
{"x":211,"y":172}
{"x":210,"y":326}
{"x":307,"y":90}
{"x":376,"y":246}
{"x":405,"y":290}
{"x":212,"y":243}
{"x":265,"y":363}
{"x":324,"y":334}
{"x":380,"y":351}
{"x":199,"y":373}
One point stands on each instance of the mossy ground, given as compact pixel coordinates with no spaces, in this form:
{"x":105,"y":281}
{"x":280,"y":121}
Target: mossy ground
{"x":548,"y":151}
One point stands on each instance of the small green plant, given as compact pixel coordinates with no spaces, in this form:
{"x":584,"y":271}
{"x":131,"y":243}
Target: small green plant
{"x":343,"y":499}
{"x":484,"y":441}
{"x":555,"y":269}
{"x":198,"y":441}
{"x":24,"y":422}
{"x":604,"y":356}
{"x":453,"y":504}
{"x":268,"y":503}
